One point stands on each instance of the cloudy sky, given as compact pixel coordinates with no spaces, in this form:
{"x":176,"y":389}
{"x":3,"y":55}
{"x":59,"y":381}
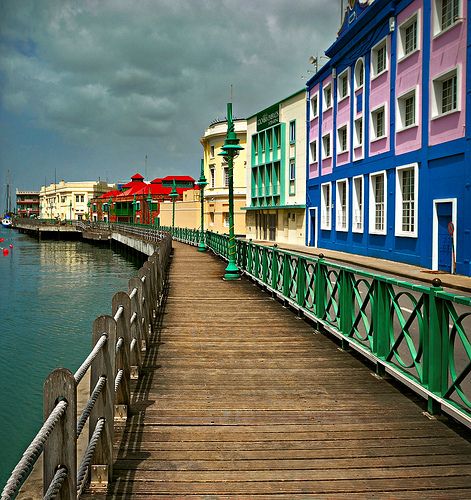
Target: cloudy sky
{"x":88,"y":88}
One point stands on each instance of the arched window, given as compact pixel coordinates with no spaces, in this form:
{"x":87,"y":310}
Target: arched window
{"x":359,"y":73}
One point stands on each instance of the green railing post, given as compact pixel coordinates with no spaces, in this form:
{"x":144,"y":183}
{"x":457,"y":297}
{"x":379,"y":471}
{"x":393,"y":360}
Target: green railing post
{"x":320,"y":287}
{"x":250,"y":257}
{"x":286,"y":275}
{"x":274,"y":266}
{"x":264,"y":265}
{"x":346,"y":304}
{"x":301,"y":281}
{"x":381,"y":322}
{"x":436,"y":348}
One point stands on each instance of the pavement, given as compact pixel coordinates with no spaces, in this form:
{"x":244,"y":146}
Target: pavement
{"x":455,"y":282}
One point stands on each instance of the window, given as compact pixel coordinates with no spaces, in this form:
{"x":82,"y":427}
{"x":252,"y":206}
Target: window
{"x":292,"y":170}
{"x":359,"y":73}
{"x":314,"y":106}
{"x":328,"y":96}
{"x":255,"y":145}
{"x":226,"y":176}
{"x":326,"y":206}
{"x":406,"y":200}
{"x":138,"y":205}
{"x":379,"y":58}
{"x":445,"y":98}
{"x":62,"y":199}
{"x":292,"y":132}
{"x":378,"y":122}
{"x":342,"y":139}
{"x":211,"y":151}
{"x":211,"y":218}
{"x":446,"y":14}
{"x":225,"y":219}
{"x":262,"y":141}
{"x":357,"y":222}
{"x":313,"y":152}
{"x":277,"y":137}
{"x":408,"y":37}
{"x":406,"y":110}
{"x":212,"y":177}
{"x":77,"y":198}
{"x":341,"y":223}
{"x":342,"y":85}
{"x":270,"y":140}
{"x":378,"y":203}
{"x":358,"y":138}
{"x":326,"y":147}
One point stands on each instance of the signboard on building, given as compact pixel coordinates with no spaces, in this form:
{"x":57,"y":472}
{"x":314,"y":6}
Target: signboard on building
{"x":268,"y":117}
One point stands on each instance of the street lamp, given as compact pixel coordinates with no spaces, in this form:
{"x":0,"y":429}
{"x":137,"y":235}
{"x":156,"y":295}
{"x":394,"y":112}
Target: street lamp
{"x":134,"y":209}
{"x":230,"y":150}
{"x":173,"y":194}
{"x":202,"y":184}
{"x":110,"y":201}
{"x":149,"y":205}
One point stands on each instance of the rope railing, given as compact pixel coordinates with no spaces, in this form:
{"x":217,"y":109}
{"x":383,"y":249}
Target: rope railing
{"x":114,"y":360}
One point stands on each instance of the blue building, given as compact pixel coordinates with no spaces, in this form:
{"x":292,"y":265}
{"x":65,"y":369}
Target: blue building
{"x":389,"y":168}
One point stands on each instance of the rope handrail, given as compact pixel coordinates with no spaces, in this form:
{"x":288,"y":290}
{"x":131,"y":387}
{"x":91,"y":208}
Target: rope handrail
{"x":79,"y":374}
{"x":119,"y":344}
{"x":133,"y":344}
{"x":56,"y":484}
{"x":90,"y":404}
{"x":133,"y":293}
{"x":30,"y":456}
{"x":117,"y":382}
{"x":133,"y":318}
{"x":86,"y":460}
{"x":118,"y":313}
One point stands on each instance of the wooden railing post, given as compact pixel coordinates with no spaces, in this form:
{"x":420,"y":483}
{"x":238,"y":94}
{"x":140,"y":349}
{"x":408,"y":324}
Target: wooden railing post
{"x":61,"y":446}
{"x":104,"y":365}
{"x":138,"y":331}
{"x":121,"y":299}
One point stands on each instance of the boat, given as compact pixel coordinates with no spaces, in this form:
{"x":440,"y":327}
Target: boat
{"x":6,"y":221}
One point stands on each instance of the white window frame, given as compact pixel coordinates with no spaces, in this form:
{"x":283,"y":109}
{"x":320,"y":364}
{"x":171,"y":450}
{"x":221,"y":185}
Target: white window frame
{"x":372,"y":204}
{"x":313,"y":152}
{"x":357,"y":74}
{"x":374,"y":58}
{"x":341,"y":212}
{"x":212,"y":176}
{"x":358,"y":207}
{"x":326,"y":207}
{"x":225,"y":177}
{"x":401,"y":35}
{"x":436,"y":14}
{"x":292,"y":169}
{"x":340,"y":150}
{"x":324,"y":155}
{"x":436,"y":92}
{"x":344,"y":75}
{"x":401,"y":109}
{"x":211,"y":151}
{"x":314,"y":108}
{"x":292,"y":131}
{"x":356,"y":135}
{"x":374,"y":112}
{"x":324,"y":104}
{"x":399,"y":201}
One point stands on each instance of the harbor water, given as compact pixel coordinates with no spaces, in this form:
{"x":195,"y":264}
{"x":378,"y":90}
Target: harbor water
{"x":50,"y":293}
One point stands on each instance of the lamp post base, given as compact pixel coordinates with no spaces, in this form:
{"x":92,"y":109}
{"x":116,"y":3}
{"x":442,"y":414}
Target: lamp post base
{"x":201,"y":247}
{"x":232,"y":272}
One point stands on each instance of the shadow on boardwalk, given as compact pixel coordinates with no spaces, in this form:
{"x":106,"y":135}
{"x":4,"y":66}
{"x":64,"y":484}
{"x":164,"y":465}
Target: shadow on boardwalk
{"x":241,"y":399}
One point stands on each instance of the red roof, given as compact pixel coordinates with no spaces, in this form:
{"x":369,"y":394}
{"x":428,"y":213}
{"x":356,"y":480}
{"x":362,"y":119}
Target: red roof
{"x":110,"y":194}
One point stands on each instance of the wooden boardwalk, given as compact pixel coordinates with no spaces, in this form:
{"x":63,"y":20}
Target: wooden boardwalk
{"x":240,"y":399}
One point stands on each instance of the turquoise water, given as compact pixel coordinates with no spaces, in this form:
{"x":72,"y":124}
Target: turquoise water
{"x":50,"y":293}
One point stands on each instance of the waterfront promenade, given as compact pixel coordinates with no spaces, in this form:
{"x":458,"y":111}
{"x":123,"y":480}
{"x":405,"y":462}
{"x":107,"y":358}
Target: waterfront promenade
{"x":240,"y":399}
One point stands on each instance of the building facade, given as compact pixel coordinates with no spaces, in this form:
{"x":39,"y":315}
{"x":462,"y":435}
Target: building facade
{"x":276,"y":179}
{"x":216,"y":193}
{"x":388,"y":128}
{"x":27,"y":203}
{"x":69,"y":200}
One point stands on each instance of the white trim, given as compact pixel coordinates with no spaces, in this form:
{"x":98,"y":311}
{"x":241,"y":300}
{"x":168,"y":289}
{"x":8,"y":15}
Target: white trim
{"x":324,"y":156}
{"x":345,"y":73}
{"x":324,"y":107}
{"x":374,"y":56}
{"x":401,"y":56}
{"x":454,"y":212}
{"x":400,"y":112}
{"x":316,"y":226}
{"x":373,"y":137}
{"x":371,"y":207}
{"x":339,"y":150}
{"x":398,"y":222}
{"x":314,"y":116}
{"x":323,"y":207}
{"x":356,"y":205}
{"x":355,"y":82}
{"x":311,"y":159}
{"x":435,"y":102}
{"x":436,"y":26}
{"x":338,"y":206}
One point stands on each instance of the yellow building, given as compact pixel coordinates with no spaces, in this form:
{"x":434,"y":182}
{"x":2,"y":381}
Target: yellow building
{"x":187,"y":211}
{"x":216,"y":193}
{"x":69,"y":200}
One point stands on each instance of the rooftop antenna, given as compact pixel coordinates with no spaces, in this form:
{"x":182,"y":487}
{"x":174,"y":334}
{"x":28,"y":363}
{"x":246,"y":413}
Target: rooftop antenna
{"x":341,"y":12}
{"x":231,"y":93}
{"x":145,"y":168}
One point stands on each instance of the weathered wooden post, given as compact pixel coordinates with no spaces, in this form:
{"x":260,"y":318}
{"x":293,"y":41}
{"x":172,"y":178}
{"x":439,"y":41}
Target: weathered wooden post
{"x":60,"y":449}
{"x":104,"y":365}
{"x":138,"y":331}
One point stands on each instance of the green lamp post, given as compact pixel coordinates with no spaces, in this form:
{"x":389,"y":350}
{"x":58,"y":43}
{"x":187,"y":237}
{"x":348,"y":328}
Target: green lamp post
{"x":149,"y":206}
{"x":134,"y":209}
{"x":230,"y":150}
{"x":173,"y":194}
{"x":110,"y":202}
{"x":202,"y":184}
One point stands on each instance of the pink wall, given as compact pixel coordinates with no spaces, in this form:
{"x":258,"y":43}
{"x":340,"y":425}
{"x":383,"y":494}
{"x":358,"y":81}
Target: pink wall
{"x":314,"y":134}
{"x":408,"y":76}
{"x":379,"y":94}
{"x":447,"y":52}
{"x":358,"y":152}
{"x":327,"y":126}
{"x":343,"y":117}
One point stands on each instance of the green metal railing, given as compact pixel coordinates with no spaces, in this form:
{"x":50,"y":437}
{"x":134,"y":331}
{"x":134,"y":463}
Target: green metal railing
{"x":419,"y":334}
